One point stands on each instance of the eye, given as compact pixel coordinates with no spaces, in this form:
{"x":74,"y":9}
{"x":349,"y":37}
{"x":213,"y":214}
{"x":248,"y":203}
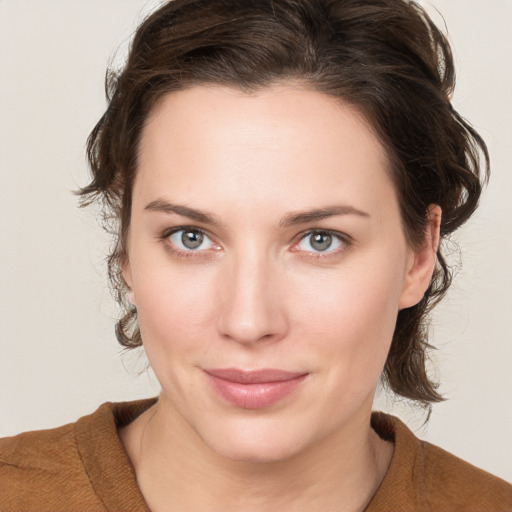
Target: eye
{"x":189,"y":240}
{"x":320,"y":241}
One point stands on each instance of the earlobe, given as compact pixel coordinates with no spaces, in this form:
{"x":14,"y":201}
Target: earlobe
{"x":422,"y":261}
{"x":127,"y":276}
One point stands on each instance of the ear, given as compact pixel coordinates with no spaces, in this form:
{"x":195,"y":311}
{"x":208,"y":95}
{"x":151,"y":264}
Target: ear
{"x":127,"y":276}
{"x":422,"y":261}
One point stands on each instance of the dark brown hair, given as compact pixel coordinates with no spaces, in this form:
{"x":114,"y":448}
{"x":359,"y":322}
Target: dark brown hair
{"x":385,"y":57}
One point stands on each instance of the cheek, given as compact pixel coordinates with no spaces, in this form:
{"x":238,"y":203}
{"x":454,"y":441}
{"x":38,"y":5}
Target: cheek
{"x":350,"y":315}
{"x":173,"y":306}
{"x":174,"y":309}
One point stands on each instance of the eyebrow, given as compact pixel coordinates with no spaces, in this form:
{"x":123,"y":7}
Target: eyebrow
{"x":307,"y":216}
{"x":292,"y":219}
{"x":185,"y":211}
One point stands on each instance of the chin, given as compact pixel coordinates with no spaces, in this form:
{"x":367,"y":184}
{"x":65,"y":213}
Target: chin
{"x":251,"y":453}
{"x":254,"y":442}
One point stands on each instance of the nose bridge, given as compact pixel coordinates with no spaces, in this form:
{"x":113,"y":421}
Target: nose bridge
{"x":251,"y":309}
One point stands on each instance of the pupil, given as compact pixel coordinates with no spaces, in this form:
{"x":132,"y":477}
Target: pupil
{"x":321,"y":241}
{"x":192,"y":239}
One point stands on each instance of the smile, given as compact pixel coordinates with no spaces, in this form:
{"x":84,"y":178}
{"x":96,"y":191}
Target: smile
{"x":254,"y":389}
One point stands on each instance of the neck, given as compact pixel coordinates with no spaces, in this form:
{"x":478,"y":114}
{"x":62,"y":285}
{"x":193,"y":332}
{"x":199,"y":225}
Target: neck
{"x":176,"y":470}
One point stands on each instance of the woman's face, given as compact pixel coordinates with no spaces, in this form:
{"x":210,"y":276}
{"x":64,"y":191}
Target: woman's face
{"x":265,"y":235}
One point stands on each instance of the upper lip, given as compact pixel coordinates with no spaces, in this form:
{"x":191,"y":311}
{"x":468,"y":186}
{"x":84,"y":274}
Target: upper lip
{"x":253,"y":376}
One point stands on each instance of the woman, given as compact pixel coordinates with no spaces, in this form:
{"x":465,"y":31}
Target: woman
{"x":282,"y":175}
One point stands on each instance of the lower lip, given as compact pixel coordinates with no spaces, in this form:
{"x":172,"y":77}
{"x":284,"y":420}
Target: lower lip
{"x":254,"y":396}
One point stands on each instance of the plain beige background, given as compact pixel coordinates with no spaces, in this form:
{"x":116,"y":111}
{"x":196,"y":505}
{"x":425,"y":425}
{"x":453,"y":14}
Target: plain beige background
{"x":58,"y":355}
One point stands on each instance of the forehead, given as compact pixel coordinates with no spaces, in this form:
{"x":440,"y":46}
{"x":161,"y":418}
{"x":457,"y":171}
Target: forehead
{"x":281,"y":144}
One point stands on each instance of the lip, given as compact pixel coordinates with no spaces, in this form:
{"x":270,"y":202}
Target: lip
{"x":256,"y":389}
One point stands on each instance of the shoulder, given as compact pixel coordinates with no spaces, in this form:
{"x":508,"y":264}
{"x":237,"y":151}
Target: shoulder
{"x":80,"y":466}
{"x":44,"y":468}
{"x":449,"y":479}
{"x":41,"y":449}
{"x":424,"y":477}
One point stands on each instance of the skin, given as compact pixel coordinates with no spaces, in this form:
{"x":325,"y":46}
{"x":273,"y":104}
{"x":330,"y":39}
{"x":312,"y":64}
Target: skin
{"x":257,"y":294}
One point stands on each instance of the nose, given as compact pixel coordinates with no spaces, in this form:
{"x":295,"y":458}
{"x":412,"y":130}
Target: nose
{"x":251,"y":307}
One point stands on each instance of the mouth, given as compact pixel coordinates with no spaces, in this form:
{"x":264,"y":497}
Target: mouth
{"x":256,"y":389}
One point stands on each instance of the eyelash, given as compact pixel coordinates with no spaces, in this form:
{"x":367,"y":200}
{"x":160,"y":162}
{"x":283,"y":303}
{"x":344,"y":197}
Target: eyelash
{"x":345,"y":240}
{"x":177,"y":252}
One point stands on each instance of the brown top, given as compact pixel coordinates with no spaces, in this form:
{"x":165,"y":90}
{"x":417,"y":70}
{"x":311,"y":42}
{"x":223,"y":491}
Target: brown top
{"x":83,"y":466}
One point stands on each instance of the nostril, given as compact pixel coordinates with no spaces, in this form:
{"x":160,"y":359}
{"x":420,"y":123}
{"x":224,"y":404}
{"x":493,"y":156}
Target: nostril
{"x":264,"y":328}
